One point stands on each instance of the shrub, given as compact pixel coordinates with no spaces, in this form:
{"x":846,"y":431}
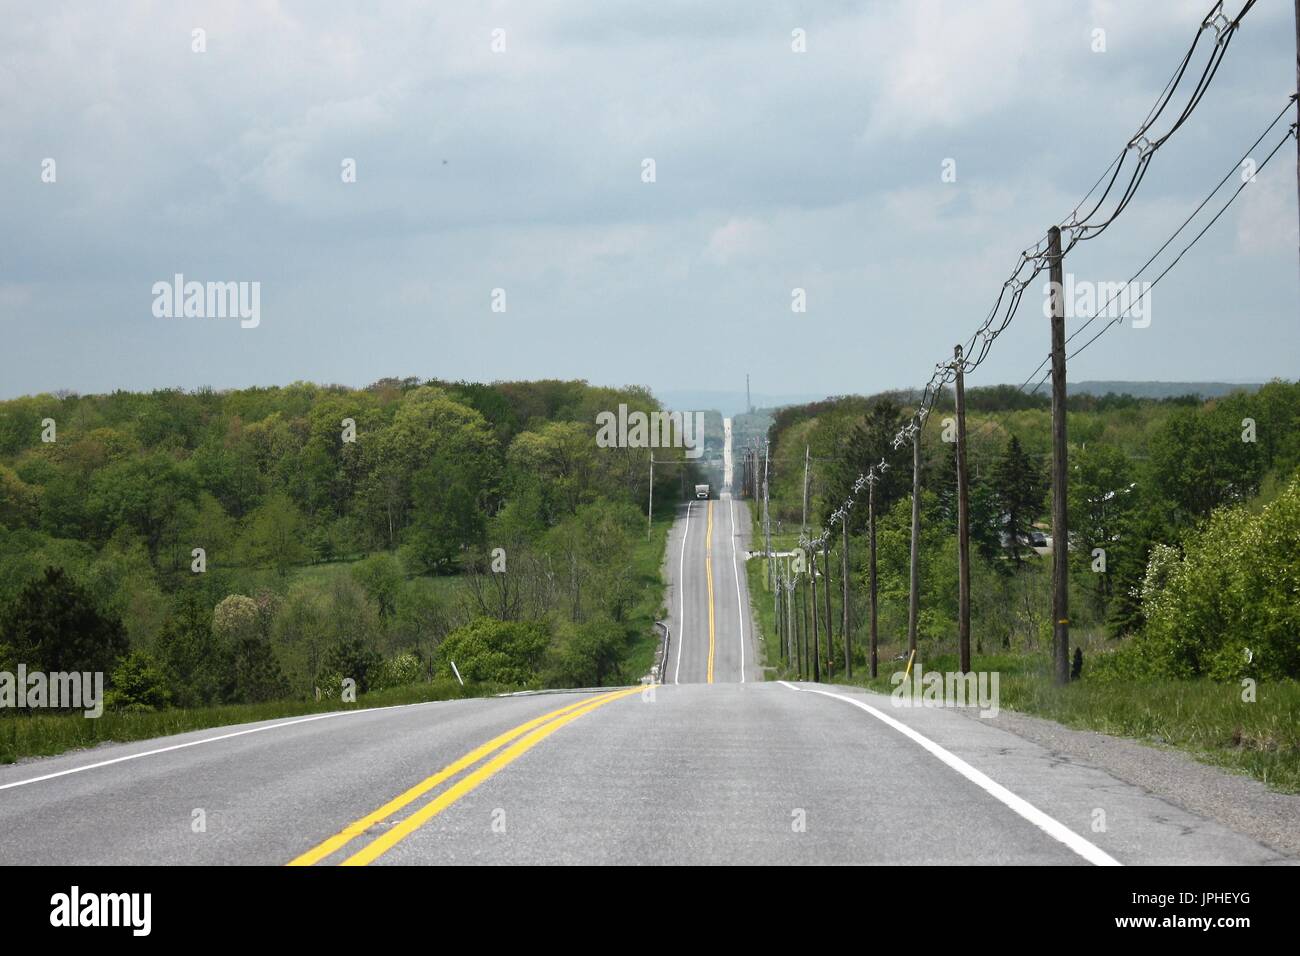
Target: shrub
{"x":589,"y":655}
{"x":503,"y":652}
{"x":352,"y":658}
{"x":1229,"y":606}
{"x":398,"y":671}
{"x":140,"y":685}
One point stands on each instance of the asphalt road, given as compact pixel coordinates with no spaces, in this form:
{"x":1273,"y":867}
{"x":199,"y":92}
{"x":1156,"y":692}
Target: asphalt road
{"x":734,"y":773}
{"x":708,"y":597}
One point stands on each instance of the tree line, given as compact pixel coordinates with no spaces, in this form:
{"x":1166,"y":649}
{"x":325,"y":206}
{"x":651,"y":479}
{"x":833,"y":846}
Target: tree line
{"x":1184,"y":540}
{"x":212,"y":547}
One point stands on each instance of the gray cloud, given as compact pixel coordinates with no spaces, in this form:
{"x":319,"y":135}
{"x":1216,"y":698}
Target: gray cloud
{"x":521,"y":170}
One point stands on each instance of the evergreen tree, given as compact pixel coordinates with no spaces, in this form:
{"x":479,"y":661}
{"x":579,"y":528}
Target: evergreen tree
{"x":1020,"y":493}
{"x":54,"y":625}
{"x":867,"y":442}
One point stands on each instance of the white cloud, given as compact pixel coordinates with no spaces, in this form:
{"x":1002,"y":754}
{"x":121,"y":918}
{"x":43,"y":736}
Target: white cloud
{"x":736,"y":239}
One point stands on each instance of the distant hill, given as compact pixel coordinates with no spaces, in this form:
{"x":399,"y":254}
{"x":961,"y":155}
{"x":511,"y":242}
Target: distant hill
{"x":732,"y":404}
{"x":1160,"y":389}
{"x":728,"y":403}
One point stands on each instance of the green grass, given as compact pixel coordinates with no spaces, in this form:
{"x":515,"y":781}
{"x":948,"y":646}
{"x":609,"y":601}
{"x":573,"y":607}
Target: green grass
{"x":648,"y":570}
{"x":760,"y":599}
{"x":1207,"y":720}
{"x":34,"y":735}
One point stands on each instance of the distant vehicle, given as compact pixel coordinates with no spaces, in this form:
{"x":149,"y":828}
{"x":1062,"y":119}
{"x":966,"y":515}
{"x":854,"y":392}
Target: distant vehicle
{"x":1031,"y":539}
{"x":701,"y":491}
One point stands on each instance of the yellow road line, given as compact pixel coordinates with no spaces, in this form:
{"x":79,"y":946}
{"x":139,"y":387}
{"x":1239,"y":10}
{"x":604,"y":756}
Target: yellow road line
{"x":708,"y":576}
{"x":390,"y":838}
{"x":358,"y":827}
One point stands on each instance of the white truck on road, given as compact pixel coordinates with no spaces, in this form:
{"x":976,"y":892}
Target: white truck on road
{"x":701,"y":491}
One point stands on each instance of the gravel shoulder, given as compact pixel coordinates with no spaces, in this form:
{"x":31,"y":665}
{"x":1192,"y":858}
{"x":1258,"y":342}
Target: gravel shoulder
{"x":1236,"y":801}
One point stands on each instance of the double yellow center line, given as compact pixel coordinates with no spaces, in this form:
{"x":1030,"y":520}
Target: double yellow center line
{"x":520,"y":739}
{"x":708,"y":576}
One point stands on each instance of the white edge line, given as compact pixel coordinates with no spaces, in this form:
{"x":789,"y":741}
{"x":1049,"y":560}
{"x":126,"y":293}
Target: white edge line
{"x":740,"y":608}
{"x":1052,"y":827}
{"x":195,"y":743}
{"x":681,"y":595}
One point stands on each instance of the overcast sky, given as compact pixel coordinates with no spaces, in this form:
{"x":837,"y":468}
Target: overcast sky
{"x":523,"y":170}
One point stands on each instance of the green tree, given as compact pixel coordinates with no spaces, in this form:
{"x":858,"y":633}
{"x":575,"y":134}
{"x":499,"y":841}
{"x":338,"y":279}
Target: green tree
{"x":199,"y":665}
{"x":54,"y":625}
{"x":1199,"y":461}
{"x":590,"y":654}
{"x":448,"y":517}
{"x":353,"y":658}
{"x":276,"y":534}
{"x":19,"y":502}
{"x":140,"y":685}
{"x":1019,"y":491}
{"x":863,"y":446}
{"x":452,"y":449}
{"x":257,"y":673}
{"x":1102,"y":496}
{"x":1226,"y":606}
{"x":381,"y":576}
{"x":985,"y":521}
{"x":556,"y":466}
{"x":144,"y":494}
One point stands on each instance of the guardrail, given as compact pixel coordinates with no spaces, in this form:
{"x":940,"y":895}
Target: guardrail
{"x":661,"y":656}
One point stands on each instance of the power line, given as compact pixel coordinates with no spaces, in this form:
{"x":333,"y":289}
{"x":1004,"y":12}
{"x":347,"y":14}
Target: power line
{"x":1165,"y":244}
{"x":1035,"y":257}
{"x":1291,"y":131}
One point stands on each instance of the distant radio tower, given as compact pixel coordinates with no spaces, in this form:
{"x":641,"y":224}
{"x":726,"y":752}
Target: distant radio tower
{"x":749,"y":403}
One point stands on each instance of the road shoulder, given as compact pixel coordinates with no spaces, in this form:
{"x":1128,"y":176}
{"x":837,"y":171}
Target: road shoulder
{"x":1235,"y":801}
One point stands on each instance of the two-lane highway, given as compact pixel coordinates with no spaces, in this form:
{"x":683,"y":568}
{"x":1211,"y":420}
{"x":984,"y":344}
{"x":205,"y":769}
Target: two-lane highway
{"x":713,"y":632}
{"x":708,"y":595}
{"x":732,"y":773}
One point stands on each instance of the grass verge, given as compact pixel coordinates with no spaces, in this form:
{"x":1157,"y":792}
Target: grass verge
{"x":1210,"y":721}
{"x":39,"y":735}
{"x":648,"y":574}
{"x":1207,"y":720}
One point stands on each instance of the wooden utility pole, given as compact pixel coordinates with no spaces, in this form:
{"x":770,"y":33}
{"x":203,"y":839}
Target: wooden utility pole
{"x":1297,"y":104}
{"x":801,"y":622}
{"x":789,"y":614}
{"x":778,"y":624}
{"x":846,"y":624}
{"x":830,"y":620}
{"x":803,"y":526}
{"x":913,"y":596}
{"x":1060,"y":525}
{"x":871,"y":572}
{"x":650,"y":508}
{"x":963,"y":520}
{"x":790,"y":622}
{"x":767,"y":519}
{"x":816,"y":644}
{"x":787,"y":647}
